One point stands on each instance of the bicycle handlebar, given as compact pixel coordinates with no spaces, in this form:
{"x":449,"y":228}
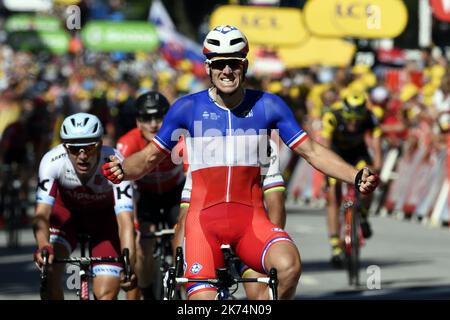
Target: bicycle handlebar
{"x":127,"y":264}
{"x":124,"y":258}
{"x":157,"y":234}
{"x":215,"y":281}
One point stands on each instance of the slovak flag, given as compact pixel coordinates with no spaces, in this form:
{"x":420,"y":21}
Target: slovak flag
{"x":175,"y":46}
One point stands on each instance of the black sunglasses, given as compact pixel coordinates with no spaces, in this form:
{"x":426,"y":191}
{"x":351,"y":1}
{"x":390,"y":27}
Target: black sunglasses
{"x":220,"y":64}
{"x":150,"y":118}
{"x":87,"y":148}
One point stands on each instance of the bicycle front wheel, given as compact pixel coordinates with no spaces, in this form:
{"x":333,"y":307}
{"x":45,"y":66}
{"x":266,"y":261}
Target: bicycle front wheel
{"x":352,"y":252}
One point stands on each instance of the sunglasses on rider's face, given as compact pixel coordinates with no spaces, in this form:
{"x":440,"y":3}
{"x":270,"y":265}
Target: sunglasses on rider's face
{"x":220,"y":64}
{"x":150,"y":118}
{"x":86,"y":148}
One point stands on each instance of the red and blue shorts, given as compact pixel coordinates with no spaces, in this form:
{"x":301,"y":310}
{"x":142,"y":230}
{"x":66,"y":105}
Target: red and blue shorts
{"x":247,"y":229}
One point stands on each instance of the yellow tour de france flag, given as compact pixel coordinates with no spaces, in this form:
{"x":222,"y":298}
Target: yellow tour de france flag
{"x":263,"y":25}
{"x":356,"y":18}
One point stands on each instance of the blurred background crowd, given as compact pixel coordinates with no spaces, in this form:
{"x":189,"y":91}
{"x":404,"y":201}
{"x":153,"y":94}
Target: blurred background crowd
{"x":404,"y":72}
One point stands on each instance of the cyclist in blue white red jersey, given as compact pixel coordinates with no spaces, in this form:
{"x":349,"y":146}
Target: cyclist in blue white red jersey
{"x":273,"y":187}
{"x":73,"y":198}
{"x":226,"y":127}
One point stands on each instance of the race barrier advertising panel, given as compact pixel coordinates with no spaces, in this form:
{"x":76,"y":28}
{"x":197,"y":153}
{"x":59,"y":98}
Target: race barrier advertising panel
{"x":130,"y":36}
{"x":263,"y":25}
{"x":363,"y":19}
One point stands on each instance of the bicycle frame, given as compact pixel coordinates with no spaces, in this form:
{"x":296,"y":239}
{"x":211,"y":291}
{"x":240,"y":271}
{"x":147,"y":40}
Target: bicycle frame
{"x":226,"y":277}
{"x":162,"y":253}
{"x":352,"y":234}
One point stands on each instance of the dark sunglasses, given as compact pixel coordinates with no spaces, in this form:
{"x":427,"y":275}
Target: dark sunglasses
{"x":150,"y":118}
{"x":220,"y":64}
{"x":87,"y":148}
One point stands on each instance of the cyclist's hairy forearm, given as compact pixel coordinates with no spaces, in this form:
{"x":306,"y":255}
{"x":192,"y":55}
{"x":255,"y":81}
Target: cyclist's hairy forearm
{"x":142,"y":162}
{"x":326,"y":161}
{"x":126,"y":234}
{"x":41,"y":224}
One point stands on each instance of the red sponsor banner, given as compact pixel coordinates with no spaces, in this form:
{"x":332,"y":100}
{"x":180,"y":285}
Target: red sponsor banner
{"x":441,"y":9}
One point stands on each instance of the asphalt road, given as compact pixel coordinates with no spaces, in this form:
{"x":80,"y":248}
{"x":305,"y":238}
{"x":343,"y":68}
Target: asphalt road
{"x":403,"y":260}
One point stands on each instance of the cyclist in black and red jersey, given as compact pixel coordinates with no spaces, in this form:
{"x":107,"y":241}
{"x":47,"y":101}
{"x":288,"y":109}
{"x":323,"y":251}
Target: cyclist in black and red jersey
{"x":344,"y":130}
{"x":159,"y":191}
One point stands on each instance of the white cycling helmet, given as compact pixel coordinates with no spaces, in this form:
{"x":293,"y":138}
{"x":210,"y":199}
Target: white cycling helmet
{"x":226,"y":40}
{"x":80,"y":126}
{"x":379,"y":94}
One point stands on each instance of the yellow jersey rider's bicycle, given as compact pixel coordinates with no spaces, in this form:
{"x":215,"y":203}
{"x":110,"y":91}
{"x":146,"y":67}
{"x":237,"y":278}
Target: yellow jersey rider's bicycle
{"x":345,"y":129}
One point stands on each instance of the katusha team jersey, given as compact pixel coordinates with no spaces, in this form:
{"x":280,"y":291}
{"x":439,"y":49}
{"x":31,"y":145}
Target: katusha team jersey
{"x":165,"y":177}
{"x":58,"y":182}
{"x":227,"y":147}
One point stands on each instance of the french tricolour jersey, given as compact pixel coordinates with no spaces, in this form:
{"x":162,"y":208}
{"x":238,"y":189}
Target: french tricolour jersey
{"x":228,"y":147}
{"x":58,"y":181}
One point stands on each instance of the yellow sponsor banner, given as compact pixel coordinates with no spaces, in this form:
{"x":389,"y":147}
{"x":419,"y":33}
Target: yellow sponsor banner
{"x":356,"y":18}
{"x":66,"y":2}
{"x":263,"y":25}
{"x":323,"y":51}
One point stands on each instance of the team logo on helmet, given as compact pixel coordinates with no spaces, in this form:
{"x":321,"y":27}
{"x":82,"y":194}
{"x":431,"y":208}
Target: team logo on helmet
{"x":224,"y":29}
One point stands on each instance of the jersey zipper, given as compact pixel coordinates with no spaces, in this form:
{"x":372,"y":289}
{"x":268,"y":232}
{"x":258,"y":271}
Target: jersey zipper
{"x":230,"y":156}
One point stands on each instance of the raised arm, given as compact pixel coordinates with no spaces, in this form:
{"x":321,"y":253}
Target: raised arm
{"x":135,"y":166}
{"x":144,"y":161}
{"x":320,"y":157}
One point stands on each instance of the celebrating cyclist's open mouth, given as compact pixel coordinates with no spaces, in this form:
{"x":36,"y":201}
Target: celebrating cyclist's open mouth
{"x":83,"y":166}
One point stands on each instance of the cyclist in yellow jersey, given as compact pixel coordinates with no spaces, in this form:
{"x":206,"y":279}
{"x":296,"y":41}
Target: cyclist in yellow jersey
{"x":344,"y":130}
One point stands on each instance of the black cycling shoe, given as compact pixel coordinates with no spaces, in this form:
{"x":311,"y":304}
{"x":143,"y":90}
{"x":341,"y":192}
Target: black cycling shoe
{"x":366,"y":229}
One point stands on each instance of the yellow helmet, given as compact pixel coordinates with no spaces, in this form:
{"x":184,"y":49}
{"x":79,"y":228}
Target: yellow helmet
{"x":408,"y":91}
{"x":354,"y":106}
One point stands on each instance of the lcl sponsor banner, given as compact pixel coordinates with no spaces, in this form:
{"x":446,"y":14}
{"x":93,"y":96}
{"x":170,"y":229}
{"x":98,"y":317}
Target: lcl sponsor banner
{"x":328,"y":52}
{"x":441,"y":9}
{"x":263,"y":25}
{"x":356,"y":18}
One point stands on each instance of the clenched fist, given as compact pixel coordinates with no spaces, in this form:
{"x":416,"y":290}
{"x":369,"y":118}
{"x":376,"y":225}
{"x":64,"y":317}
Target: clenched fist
{"x":112,"y":170}
{"x":366,"y":181}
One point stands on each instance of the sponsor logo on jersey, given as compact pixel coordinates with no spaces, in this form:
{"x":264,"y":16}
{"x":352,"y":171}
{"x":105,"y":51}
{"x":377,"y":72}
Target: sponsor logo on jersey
{"x":74,"y":194}
{"x":277,"y":230}
{"x":42,"y":183}
{"x":248,"y":114}
{"x":62,"y":155}
{"x":196,"y":267}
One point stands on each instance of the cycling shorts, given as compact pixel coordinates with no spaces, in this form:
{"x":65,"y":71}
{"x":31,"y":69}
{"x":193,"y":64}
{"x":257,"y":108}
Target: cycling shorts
{"x":101,"y":225}
{"x":247,"y":229}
